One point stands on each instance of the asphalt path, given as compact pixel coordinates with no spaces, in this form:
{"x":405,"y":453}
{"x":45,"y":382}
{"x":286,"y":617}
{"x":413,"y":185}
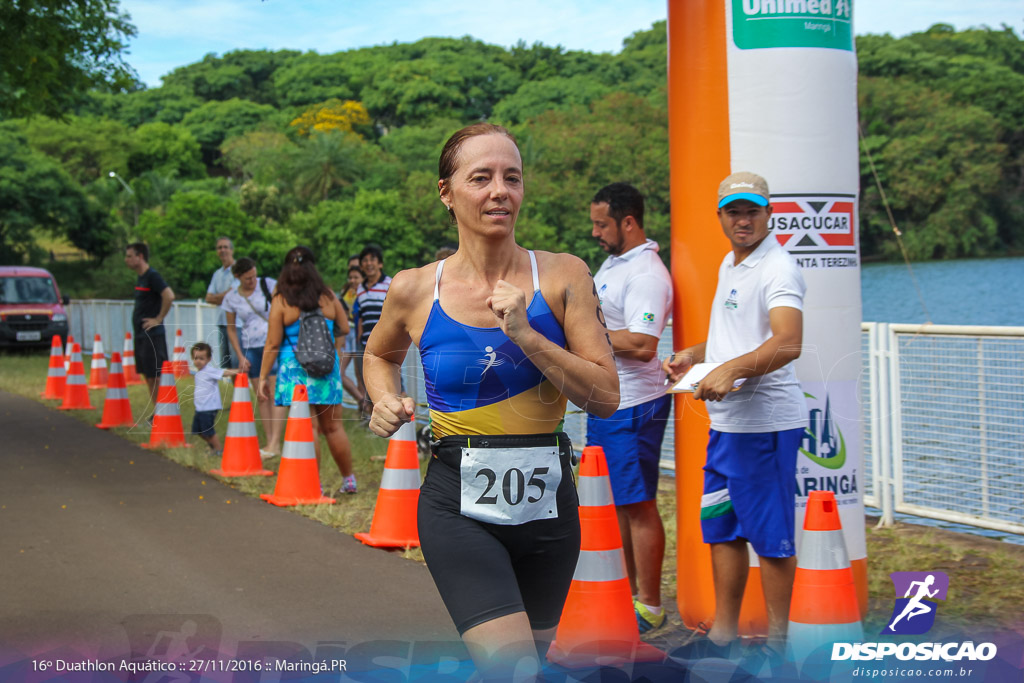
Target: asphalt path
{"x":112,"y":552}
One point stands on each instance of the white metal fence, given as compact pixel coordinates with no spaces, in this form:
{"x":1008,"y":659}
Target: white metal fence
{"x":943,"y":415}
{"x":942,"y":410}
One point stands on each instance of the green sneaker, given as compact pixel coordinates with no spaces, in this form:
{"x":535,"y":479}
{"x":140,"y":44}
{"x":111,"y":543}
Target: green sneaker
{"x":646,"y":621}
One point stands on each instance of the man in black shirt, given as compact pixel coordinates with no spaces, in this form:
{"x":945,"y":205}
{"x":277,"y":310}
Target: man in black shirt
{"x":153,"y":300}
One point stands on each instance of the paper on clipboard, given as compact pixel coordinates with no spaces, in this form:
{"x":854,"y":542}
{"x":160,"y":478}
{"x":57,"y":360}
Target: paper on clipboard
{"x":688,"y":382}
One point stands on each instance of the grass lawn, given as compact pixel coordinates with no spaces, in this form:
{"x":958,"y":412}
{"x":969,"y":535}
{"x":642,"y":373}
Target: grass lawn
{"x":985,"y":586}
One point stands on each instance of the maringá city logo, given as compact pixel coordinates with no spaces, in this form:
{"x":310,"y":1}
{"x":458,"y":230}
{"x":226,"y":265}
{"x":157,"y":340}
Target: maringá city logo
{"x":914,"y":613}
{"x":823,"y":441}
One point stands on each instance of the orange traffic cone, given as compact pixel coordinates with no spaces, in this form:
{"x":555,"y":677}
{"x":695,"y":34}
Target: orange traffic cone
{"x":56,"y":374}
{"x":180,"y":361}
{"x":98,"y":367}
{"x":298,"y":479}
{"x":76,"y":394}
{"x":67,"y":352}
{"x":117,"y":411}
{"x":167,"y":429}
{"x":824,"y":608}
{"x":241,"y":445}
{"x":598,"y":625}
{"x":131,"y":375}
{"x":394,"y":517}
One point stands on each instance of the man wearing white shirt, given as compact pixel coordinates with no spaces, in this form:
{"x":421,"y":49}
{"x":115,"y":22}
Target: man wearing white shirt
{"x":635,"y":290}
{"x":221,"y":283}
{"x":756,"y":331}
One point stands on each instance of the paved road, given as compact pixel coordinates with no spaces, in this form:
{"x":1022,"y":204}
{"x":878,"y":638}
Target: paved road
{"x":111,"y":551}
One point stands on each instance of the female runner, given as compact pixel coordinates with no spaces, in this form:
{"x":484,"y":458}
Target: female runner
{"x":506,"y":335}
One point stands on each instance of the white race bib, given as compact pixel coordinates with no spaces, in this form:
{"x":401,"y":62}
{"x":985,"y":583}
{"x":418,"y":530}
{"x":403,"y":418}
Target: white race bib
{"x":510,"y":485}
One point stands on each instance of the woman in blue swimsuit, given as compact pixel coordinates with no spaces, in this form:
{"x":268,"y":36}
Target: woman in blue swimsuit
{"x":300,"y":288}
{"x":506,"y":336}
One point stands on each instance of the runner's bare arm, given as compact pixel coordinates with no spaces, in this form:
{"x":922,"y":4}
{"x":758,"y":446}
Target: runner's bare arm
{"x":634,"y":345}
{"x":585,"y":370}
{"x":385,"y":352}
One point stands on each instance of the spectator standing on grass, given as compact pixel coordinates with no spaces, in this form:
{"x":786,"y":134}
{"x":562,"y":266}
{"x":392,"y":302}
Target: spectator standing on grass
{"x":635,"y":290}
{"x":247,"y":310}
{"x":755,"y":333}
{"x":207,"y":394}
{"x":153,"y":299}
{"x":369,"y":303}
{"x":348,"y":301}
{"x":222,"y":282}
{"x":301,"y":289}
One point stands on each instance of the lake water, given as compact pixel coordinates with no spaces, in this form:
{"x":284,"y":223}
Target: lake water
{"x":965,"y":292}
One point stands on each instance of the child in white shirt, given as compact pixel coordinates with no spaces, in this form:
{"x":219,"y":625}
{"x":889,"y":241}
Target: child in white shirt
{"x":207,"y":394}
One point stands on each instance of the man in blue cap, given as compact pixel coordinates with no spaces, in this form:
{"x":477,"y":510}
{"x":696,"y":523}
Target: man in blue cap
{"x":755,"y":333}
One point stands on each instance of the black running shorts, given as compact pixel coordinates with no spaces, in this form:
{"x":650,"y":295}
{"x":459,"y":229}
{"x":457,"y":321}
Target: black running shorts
{"x":150,"y":354}
{"x":484,"y":571}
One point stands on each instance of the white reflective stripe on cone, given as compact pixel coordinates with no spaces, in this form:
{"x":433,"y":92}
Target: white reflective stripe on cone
{"x":115,"y":369}
{"x":406,"y":432}
{"x":56,"y":372}
{"x":803,"y":640}
{"x":600,"y":565}
{"x":241,"y":395}
{"x":76,"y":378}
{"x":822,"y":550}
{"x":241,"y":429}
{"x":117,"y":394}
{"x":167,"y":409}
{"x":594,"y":491}
{"x":302,"y":450}
{"x":299,"y":409}
{"x":167,"y":379}
{"x":99,"y":362}
{"x":400,"y":479}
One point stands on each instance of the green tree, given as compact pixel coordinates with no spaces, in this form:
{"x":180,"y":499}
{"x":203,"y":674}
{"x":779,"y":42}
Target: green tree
{"x":167,"y":150}
{"x":88,"y":148}
{"x":52,"y":53}
{"x":939,"y":165}
{"x":241,"y":74}
{"x":569,"y":155}
{"x":214,"y":122}
{"x":36,"y":193}
{"x":180,"y":238}
{"x":325,"y":163}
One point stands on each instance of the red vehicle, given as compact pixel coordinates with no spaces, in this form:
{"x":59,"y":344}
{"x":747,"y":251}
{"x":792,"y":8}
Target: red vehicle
{"x":31,"y":307}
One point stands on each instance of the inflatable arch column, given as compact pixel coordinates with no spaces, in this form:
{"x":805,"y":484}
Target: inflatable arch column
{"x":770,"y":86}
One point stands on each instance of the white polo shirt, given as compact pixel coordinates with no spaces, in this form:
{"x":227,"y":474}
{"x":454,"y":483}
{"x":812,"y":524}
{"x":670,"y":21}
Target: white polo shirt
{"x":766,"y":279}
{"x":635,"y":290}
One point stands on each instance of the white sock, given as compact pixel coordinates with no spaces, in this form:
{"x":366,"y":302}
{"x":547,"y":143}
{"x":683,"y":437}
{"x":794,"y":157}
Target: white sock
{"x":656,"y":611}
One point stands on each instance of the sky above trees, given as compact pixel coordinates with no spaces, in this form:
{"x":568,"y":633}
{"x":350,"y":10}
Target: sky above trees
{"x":179,"y":33}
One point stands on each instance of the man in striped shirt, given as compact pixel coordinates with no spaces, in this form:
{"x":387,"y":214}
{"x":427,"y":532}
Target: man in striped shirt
{"x":367,"y":307}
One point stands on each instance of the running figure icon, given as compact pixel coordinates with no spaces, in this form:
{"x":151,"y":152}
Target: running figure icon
{"x":916,"y":607}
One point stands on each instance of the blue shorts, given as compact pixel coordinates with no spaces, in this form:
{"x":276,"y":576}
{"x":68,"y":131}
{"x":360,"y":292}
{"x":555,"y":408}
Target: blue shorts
{"x":255,"y":358}
{"x":203,"y":422}
{"x":750,"y":490}
{"x":631,"y":439}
